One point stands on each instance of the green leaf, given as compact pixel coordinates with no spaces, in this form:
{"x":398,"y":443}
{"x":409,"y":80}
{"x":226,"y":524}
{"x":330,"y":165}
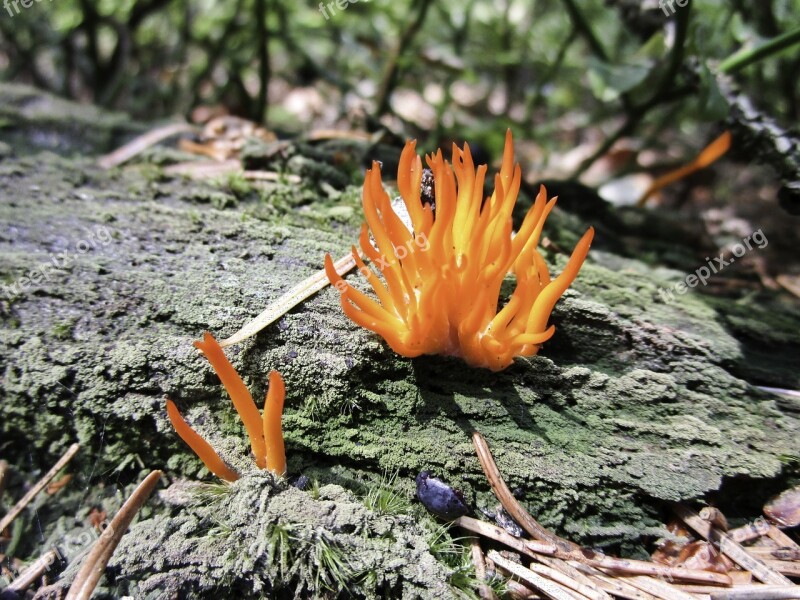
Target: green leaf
{"x":653,"y":49}
{"x":609,"y":81}
{"x":713,"y":105}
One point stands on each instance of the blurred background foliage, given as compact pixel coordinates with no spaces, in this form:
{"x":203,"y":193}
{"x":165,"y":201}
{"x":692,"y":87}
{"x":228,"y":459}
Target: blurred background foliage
{"x":561,"y":72}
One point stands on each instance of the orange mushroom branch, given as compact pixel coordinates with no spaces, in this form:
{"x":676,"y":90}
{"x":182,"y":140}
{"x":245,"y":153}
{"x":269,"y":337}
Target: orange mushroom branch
{"x":201,"y":447}
{"x":240,"y":395}
{"x":710,"y":154}
{"x":265,"y":433}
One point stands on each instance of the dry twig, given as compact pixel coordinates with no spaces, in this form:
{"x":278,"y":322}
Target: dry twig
{"x":750,"y":531}
{"x":3,"y":476}
{"x":506,"y":498}
{"x":581,"y":555}
{"x":39,"y":486}
{"x":548,"y":587}
{"x":33,"y":572}
{"x":142,"y":143}
{"x":484,"y":591}
{"x":659,"y":589}
{"x":762,"y":593}
{"x":94,"y":564}
{"x":733,"y":550}
{"x":715,"y":517}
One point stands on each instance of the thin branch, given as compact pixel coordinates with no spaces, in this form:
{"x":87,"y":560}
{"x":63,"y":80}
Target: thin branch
{"x":745,"y":58}
{"x":665,"y":92}
{"x":763,"y":593}
{"x":33,"y":572}
{"x":262,"y":35}
{"x":550,"y":588}
{"x":582,"y":26}
{"x":141,"y":143}
{"x":39,"y":486}
{"x":391,"y":75}
{"x":586,"y":556}
{"x":94,"y":565}
{"x":733,"y":550}
{"x":3,"y":477}
{"x":506,"y":498}
{"x":479,"y":562}
{"x":658,"y":588}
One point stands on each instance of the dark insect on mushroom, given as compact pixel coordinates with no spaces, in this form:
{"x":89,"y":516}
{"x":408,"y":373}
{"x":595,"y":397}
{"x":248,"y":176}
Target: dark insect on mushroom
{"x":439,"y":498}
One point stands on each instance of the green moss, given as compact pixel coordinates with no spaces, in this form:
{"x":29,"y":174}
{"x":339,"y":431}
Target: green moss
{"x":632,"y":403}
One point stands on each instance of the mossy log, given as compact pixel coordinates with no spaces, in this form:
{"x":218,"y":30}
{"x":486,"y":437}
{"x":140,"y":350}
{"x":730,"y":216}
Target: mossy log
{"x":108,"y":276}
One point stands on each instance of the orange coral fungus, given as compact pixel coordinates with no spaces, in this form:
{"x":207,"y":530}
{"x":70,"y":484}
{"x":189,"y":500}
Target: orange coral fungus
{"x":710,"y":154}
{"x":441,"y":279}
{"x":266,"y":435}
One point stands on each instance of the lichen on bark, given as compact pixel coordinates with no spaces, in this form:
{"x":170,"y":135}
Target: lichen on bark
{"x":633,"y":403}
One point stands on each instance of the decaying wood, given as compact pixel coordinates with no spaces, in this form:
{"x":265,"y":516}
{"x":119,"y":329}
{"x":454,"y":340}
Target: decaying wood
{"x":518,"y":591}
{"x":749,"y":532}
{"x":39,"y":486}
{"x":762,"y":593}
{"x":715,"y":517}
{"x":779,"y":553}
{"x":790,"y":568}
{"x":94,"y":564}
{"x":732,"y":549}
{"x":659,"y":589}
{"x":782,"y":539}
{"x":619,"y":586}
{"x":479,"y":562}
{"x":568,"y":582}
{"x":550,"y":588}
{"x":567,"y":570}
{"x":574,"y":573}
{"x":619,"y":565}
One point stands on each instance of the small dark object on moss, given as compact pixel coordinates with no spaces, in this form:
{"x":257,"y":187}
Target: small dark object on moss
{"x":439,"y":498}
{"x":301,"y":482}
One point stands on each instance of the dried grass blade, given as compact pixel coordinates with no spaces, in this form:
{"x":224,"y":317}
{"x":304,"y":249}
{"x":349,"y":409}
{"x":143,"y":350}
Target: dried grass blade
{"x":548,"y":587}
{"x":142,"y":143}
{"x":303,"y":290}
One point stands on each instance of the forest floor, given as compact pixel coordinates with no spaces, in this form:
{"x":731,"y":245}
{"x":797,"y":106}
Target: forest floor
{"x":109,"y":275}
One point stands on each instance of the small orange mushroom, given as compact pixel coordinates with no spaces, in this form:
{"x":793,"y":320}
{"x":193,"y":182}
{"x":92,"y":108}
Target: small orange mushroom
{"x":265,"y":433}
{"x":273,"y":409}
{"x":201,"y":447}
{"x":711,"y":153}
